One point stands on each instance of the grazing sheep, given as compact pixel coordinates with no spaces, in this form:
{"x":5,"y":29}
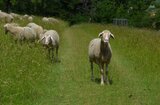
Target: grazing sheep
{"x":25,"y":16}
{"x":38,"y":29}
{"x":49,"y":20}
{"x":30,"y":18}
{"x":20,"y":33}
{"x":2,"y":15}
{"x":100,"y":53}
{"x":6,"y":17}
{"x":53,"y":20}
{"x":15,"y":15}
{"x":9,"y":18}
{"x":45,"y":19}
{"x":50,"y":40}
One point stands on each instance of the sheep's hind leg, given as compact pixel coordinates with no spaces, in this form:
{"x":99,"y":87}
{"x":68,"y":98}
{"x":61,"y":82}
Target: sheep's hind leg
{"x":92,"y":75}
{"x":102,"y":73}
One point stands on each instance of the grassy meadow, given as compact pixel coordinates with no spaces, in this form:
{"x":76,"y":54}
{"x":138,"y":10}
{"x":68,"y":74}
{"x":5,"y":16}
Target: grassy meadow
{"x":27,"y":77}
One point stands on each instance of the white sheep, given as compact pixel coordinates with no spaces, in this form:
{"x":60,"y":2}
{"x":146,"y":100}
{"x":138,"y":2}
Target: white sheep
{"x":30,"y":18}
{"x":50,"y":40}
{"x":37,"y":28}
{"x":49,"y":20}
{"x":15,"y":15}
{"x":53,"y":20}
{"x":2,"y":15}
{"x":5,"y":16}
{"x":9,"y":18}
{"x":100,"y":53}
{"x":25,"y":16}
{"x":45,"y":19}
{"x":20,"y":33}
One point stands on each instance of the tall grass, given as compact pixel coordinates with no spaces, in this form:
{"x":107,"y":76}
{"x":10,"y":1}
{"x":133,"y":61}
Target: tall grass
{"x":27,"y":77}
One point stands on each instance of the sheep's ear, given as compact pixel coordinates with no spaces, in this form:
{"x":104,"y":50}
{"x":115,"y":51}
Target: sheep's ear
{"x":41,"y":39}
{"x":52,"y":39}
{"x":100,"y":34}
{"x":112,"y":36}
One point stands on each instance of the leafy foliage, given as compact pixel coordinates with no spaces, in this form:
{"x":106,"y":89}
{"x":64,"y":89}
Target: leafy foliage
{"x":75,"y":11}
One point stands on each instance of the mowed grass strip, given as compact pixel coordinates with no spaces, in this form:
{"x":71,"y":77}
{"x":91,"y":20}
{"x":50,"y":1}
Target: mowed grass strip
{"x":28,"y":78}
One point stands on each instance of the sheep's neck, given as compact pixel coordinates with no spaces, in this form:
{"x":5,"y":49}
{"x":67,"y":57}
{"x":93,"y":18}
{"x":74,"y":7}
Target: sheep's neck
{"x":104,"y":49}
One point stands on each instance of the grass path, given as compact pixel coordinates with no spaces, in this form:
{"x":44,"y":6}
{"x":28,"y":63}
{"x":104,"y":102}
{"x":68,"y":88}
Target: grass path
{"x":129,"y":87}
{"x":35,"y":81}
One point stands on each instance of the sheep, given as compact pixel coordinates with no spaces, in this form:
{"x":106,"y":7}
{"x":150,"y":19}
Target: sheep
{"x":9,"y":18}
{"x":20,"y":33}
{"x":2,"y":15}
{"x":53,"y":20}
{"x":30,"y":18}
{"x":15,"y":15}
{"x":5,"y":16}
{"x":49,"y":20}
{"x":45,"y":19}
{"x":100,"y":53}
{"x":38,"y":29}
{"x":25,"y":16}
{"x":50,"y":40}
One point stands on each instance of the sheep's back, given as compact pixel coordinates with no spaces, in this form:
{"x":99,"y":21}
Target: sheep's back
{"x":94,"y":48}
{"x":29,"y":33}
{"x":38,"y":29}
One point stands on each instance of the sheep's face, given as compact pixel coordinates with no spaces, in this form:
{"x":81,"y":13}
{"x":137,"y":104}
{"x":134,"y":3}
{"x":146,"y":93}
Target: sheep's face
{"x":105,"y":35}
{"x":47,"y":41}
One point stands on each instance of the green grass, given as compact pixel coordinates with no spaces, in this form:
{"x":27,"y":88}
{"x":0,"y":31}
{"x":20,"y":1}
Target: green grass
{"x":27,"y":77}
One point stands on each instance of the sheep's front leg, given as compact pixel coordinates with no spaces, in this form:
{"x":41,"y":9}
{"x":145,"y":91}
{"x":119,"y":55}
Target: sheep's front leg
{"x":102,"y":73}
{"x":92,"y":76}
{"x":107,"y":79}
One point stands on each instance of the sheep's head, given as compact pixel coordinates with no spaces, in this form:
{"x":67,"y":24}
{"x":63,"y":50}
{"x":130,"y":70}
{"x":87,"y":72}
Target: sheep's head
{"x":8,"y":26}
{"x":105,"y":35}
{"x":46,"y":41}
